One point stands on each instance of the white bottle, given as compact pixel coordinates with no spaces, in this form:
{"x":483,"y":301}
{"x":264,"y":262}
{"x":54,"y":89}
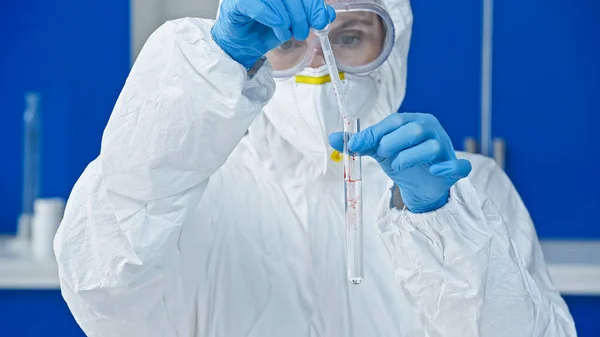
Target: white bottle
{"x":47,"y":215}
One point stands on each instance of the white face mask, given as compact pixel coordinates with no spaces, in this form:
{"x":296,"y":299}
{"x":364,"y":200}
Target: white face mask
{"x":306,"y":114}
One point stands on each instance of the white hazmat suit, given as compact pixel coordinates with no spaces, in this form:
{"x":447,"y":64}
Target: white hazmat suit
{"x":185,"y":226}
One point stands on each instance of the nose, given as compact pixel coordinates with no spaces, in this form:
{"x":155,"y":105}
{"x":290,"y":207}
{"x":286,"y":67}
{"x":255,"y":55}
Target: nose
{"x":318,"y":59}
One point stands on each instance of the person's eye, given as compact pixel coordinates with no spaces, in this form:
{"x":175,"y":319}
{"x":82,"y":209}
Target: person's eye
{"x":349,"y":40}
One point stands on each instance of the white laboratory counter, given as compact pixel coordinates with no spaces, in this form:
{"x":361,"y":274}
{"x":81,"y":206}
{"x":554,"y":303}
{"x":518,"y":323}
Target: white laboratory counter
{"x":574,"y":267}
{"x":18,"y":269}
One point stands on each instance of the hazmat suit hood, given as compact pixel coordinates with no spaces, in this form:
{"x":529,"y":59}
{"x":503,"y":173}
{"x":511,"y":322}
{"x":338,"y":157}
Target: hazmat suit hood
{"x":297,"y":121}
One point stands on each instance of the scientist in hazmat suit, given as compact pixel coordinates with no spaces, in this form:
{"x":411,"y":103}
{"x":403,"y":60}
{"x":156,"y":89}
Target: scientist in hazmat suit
{"x":215,"y":207}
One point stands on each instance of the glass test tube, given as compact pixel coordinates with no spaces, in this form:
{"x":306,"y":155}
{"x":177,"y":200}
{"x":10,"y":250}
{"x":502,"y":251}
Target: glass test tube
{"x":353,"y":206}
{"x":352,"y":171}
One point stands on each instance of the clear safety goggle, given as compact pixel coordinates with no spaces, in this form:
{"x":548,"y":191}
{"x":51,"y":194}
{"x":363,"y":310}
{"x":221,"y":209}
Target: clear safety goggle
{"x":362,"y":38}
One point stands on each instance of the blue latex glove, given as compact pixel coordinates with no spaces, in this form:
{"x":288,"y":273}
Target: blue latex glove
{"x":248,"y":29}
{"x":416,"y":153}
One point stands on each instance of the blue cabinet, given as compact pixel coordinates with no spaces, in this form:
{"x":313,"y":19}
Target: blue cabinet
{"x":42,"y":313}
{"x":546,"y":106}
{"x":36,"y":313}
{"x":444,"y":65}
{"x":545,"y":97}
{"x":76,"y":54}
{"x":585,"y":311}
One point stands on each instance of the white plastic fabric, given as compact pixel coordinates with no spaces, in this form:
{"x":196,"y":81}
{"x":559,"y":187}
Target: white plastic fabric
{"x":184,"y":227}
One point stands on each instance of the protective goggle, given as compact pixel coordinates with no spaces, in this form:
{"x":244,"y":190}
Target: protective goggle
{"x":362,"y":38}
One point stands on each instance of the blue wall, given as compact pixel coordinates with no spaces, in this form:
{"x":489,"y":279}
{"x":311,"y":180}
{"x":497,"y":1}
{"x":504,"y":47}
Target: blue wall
{"x":76,"y":54}
{"x":546,"y":71}
{"x":547,"y":108}
{"x":546,"y":97}
{"x":444,"y":65}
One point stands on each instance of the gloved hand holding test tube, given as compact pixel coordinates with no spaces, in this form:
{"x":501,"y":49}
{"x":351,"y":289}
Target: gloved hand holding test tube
{"x":352,"y":170}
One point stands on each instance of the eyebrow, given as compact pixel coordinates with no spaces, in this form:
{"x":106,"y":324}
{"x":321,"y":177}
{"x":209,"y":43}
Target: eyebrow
{"x":354,"y":22}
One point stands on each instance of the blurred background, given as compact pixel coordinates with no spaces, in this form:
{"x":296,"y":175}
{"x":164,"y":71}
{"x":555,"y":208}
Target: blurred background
{"x":519,"y":81}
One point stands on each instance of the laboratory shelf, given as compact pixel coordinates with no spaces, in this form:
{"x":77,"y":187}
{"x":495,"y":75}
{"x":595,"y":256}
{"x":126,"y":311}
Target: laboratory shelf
{"x":19,"y":270}
{"x":31,"y":287}
{"x":574,"y":267}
